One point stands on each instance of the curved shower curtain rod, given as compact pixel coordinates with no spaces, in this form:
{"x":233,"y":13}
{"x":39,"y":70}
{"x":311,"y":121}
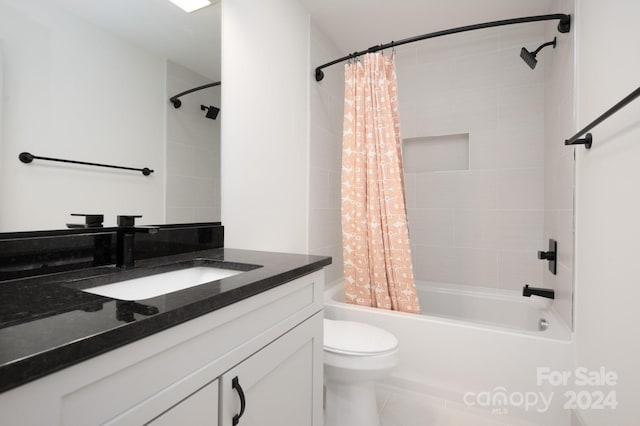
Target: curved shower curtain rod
{"x":177,"y":103}
{"x":564,"y":26}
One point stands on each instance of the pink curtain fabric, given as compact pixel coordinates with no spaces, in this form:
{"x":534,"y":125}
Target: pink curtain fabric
{"x":377,"y":258}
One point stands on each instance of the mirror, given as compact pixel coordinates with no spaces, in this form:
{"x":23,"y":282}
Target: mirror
{"x":90,"y":80}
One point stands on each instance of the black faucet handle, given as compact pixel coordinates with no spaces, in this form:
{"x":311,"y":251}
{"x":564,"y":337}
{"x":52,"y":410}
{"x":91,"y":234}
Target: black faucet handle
{"x":127,"y":220}
{"x":91,"y":221}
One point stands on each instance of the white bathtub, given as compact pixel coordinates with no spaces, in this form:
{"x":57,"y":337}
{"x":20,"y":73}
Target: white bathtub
{"x":472,"y":341}
{"x":489,"y":307}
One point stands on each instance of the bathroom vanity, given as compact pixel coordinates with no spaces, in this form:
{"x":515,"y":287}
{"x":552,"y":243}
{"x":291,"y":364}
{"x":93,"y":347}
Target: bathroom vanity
{"x":246,"y":349}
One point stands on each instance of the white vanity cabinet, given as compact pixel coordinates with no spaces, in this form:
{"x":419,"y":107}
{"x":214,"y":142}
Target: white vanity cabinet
{"x":200,"y":408}
{"x":273,"y":383}
{"x":270,"y":342}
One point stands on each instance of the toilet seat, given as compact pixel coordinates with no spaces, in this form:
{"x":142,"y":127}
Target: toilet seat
{"x":357,"y":339}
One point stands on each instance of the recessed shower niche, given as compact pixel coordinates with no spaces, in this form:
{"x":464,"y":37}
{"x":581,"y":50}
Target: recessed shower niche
{"x":436,"y":153}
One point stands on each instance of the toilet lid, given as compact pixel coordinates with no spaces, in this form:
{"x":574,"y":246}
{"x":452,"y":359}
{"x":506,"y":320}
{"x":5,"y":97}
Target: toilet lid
{"x":355,"y":338}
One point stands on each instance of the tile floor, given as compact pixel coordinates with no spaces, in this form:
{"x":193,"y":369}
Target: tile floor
{"x":401,"y":407}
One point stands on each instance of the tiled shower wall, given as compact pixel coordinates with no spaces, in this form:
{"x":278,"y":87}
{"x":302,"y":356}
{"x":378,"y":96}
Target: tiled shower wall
{"x":325,"y":233}
{"x":480,"y":224}
{"x":193,"y":150}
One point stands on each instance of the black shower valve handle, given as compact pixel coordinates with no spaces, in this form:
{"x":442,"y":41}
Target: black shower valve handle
{"x":546,"y":255}
{"x":551,"y":255}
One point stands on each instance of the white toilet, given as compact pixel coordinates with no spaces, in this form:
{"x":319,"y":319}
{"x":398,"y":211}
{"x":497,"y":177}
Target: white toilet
{"x":355,"y":356}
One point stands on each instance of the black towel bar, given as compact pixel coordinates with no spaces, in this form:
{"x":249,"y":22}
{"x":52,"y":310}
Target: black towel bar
{"x":27,"y":157}
{"x":587,"y":140}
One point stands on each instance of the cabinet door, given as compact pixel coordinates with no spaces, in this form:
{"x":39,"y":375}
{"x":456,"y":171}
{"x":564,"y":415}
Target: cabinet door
{"x":280,"y":385}
{"x":198,"y":409}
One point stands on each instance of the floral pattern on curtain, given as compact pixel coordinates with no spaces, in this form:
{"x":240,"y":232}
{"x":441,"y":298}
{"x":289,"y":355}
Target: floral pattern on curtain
{"x":377,"y":258}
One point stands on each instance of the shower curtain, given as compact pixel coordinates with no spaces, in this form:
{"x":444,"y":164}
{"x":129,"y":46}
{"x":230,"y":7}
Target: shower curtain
{"x":377,"y":258}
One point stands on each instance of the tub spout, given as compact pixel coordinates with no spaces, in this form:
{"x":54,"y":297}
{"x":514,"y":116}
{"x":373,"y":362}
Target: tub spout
{"x":536,"y":291}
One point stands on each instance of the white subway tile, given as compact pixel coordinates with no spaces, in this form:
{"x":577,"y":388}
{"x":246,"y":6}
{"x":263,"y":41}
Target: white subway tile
{"x":459,"y":45}
{"x":336,"y":115}
{"x":436,"y":153}
{"x":182,"y":191}
{"x":325,"y":228}
{"x":410,"y":189}
{"x":520,"y":229}
{"x":479,"y":71}
{"x":335,"y":188}
{"x":473,"y":189}
{"x":433,"y":79}
{"x":319,"y":106}
{"x":477,"y":229}
{"x":207,"y":193}
{"x":180,"y":215}
{"x":550,"y":225}
{"x":476,"y":107}
{"x":406,"y":114}
{"x":521,"y":189}
{"x":523,"y":105}
{"x":562,"y":190}
{"x":206,"y":214}
{"x":207,"y":163}
{"x":325,"y":152}
{"x":529,"y":35}
{"x":456,"y":265}
{"x":431,"y":227}
{"x":406,"y":56}
{"x":499,"y":229}
{"x":318,"y":188}
{"x":180,"y":160}
{"x":517,"y":268}
{"x":507,"y":147}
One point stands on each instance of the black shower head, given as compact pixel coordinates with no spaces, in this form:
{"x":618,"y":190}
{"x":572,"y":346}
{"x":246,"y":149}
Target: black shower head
{"x":212,"y":112}
{"x":530,"y":57}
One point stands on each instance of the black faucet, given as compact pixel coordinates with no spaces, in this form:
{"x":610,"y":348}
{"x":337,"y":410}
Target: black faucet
{"x":536,"y":291}
{"x":124,"y":239}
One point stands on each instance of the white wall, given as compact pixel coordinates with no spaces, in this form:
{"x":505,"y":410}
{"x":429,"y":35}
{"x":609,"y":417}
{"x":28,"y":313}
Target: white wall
{"x":193,"y":150}
{"x":325,"y":229}
{"x":608,"y":206}
{"x":265,"y":134}
{"x":480,"y":226}
{"x":62,"y":98}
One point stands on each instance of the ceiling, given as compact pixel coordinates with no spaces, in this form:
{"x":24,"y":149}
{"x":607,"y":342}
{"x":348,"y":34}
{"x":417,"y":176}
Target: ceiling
{"x":355,"y":25}
{"x":190,"y":39}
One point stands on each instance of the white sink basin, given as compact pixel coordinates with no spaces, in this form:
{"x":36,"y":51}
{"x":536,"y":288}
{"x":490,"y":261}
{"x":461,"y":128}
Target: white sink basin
{"x":159,"y":284}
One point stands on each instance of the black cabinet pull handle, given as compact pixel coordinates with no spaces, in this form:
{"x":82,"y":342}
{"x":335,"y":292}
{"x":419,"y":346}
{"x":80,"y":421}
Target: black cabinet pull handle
{"x":235,"y":384}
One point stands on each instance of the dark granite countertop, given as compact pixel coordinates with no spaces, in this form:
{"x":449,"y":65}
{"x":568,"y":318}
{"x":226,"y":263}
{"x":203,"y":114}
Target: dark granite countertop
{"x":47,"y":323}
